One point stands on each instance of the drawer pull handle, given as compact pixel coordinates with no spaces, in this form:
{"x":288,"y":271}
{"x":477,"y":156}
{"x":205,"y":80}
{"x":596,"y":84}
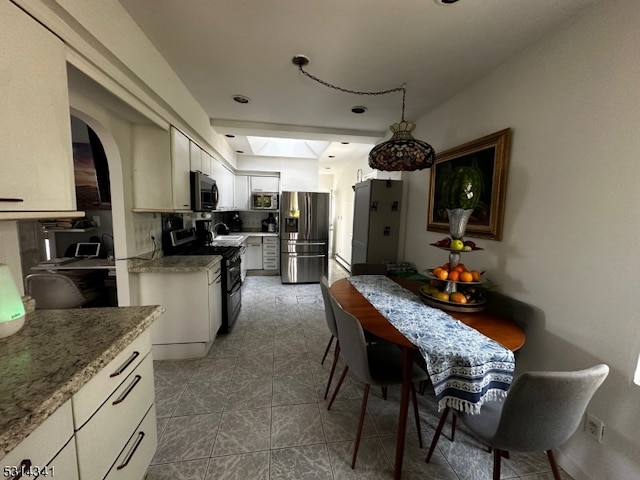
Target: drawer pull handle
{"x":131,"y":452}
{"x":16,"y":200}
{"x":24,"y":465}
{"x":125,"y":365}
{"x":126,"y":393}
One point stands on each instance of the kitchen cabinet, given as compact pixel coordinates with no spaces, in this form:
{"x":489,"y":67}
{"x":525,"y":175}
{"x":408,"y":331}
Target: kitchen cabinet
{"x":180,"y":167}
{"x":195,"y":157}
{"x":52,"y":440}
{"x":35,"y":127}
{"x":270,"y":250}
{"x":225,"y":179}
{"x":254,"y":253}
{"x":161,"y":164}
{"x":205,"y":161}
{"x":376,"y":221}
{"x":151,"y":150}
{"x":242,"y":192}
{"x":107,"y":419}
{"x":193,"y":310}
{"x":264,"y":183}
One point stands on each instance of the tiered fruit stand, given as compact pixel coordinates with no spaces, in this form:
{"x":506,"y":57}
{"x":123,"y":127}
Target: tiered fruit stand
{"x":437,"y":293}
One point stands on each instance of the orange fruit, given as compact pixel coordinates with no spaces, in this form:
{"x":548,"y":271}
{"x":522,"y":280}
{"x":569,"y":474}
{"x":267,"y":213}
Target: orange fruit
{"x":459,"y":268}
{"x":466,"y":277}
{"x":476,"y":275}
{"x":454,"y":276}
{"x":457,"y":297}
{"x":442,"y":274}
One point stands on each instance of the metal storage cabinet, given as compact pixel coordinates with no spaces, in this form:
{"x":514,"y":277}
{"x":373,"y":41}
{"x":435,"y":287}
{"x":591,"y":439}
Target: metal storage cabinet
{"x":376,"y":221}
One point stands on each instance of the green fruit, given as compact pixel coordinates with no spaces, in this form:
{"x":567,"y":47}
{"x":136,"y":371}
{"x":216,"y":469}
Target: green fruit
{"x":462,"y":188}
{"x":466,"y":248}
{"x":456,"y":244}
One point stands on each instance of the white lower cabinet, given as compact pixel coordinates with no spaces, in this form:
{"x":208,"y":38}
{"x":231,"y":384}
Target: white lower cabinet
{"x":109,"y":409}
{"x":270,"y":247}
{"x":133,"y":461}
{"x":254,"y":253}
{"x":64,"y":464}
{"x":193,"y":311}
{"x":42,"y":446}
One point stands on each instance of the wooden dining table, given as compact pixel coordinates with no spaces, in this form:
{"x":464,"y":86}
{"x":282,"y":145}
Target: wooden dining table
{"x":497,"y":327}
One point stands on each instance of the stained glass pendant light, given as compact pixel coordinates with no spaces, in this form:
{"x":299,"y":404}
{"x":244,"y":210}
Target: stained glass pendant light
{"x":401,"y":152}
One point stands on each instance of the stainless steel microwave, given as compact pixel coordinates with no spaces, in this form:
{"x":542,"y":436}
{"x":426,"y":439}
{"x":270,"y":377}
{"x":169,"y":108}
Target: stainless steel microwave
{"x":264,"y":201}
{"x":204,"y":192}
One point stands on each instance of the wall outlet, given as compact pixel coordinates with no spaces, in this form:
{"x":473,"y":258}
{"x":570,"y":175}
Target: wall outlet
{"x":594,"y":427}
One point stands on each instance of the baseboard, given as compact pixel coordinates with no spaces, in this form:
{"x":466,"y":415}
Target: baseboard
{"x":343,"y":263}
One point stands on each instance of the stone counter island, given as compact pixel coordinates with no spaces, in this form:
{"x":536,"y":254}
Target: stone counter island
{"x":57,"y":374}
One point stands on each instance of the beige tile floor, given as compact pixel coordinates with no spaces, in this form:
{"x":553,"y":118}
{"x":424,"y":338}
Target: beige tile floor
{"x":254,"y":407}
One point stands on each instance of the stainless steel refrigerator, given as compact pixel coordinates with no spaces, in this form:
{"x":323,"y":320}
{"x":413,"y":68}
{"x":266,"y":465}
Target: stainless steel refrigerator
{"x":304,"y":236}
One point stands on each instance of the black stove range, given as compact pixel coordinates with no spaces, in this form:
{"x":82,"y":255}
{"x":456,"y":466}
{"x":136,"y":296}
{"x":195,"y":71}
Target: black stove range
{"x":185,"y":242}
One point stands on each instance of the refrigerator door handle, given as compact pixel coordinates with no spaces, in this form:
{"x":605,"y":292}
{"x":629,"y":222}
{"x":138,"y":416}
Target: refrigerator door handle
{"x":302,"y":242}
{"x":301,"y":255}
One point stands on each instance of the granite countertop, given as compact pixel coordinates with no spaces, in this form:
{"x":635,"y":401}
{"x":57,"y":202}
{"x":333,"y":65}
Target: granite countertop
{"x":54,"y":355}
{"x":177,"y":264}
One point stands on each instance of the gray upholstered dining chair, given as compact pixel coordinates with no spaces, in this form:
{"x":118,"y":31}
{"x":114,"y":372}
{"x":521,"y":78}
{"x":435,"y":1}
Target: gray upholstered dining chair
{"x":368,"y":269}
{"x":378,"y":364}
{"x":541,"y":411}
{"x":331,"y":323}
{"x":54,"y":290}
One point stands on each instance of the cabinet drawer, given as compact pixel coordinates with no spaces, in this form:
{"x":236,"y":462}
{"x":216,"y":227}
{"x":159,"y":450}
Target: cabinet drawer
{"x":45,"y":441}
{"x":270,"y":240}
{"x":269,"y":248}
{"x":65,"y":464}
{"x":103,"y":437}
{"x":133,"y":461}
{"x":96,"y":391}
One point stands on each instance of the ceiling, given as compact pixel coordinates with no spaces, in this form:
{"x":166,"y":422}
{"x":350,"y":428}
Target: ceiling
{"x":223,"y":48}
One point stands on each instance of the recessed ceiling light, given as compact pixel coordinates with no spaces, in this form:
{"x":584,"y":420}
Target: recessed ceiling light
{"x":241,"y":99}
{"x":358,"y":109}
{"x":228,"y":135}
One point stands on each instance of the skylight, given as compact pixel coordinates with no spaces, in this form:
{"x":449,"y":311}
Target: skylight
{"x":287,"y":147}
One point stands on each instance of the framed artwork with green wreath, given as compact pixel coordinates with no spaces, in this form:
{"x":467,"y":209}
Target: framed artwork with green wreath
{"x":489,"y":155}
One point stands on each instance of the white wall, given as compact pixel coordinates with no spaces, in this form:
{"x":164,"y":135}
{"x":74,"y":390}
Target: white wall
{"x":296,"y":174}
{"x":571,"y":221}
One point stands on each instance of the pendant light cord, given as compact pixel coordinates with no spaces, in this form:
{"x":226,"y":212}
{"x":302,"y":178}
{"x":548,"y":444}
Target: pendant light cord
{"x":402,"y":89}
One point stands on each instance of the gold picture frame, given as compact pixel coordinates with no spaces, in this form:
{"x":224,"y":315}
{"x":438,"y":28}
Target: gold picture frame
{"x":490,"y":155}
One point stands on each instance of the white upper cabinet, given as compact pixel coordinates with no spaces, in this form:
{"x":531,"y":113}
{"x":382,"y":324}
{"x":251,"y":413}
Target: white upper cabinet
{"x":180,"y":167}
{"x":265,"y":184}
{"x":35,"y":125}
{"x":205,"y":160}
{"x":195,"y":157}
{"x":151,"y":169}
{"x":225,"y":179}
{"x":242,"y":192}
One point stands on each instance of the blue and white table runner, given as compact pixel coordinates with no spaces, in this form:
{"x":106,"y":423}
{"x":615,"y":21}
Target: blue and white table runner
{"x":466,"y":367}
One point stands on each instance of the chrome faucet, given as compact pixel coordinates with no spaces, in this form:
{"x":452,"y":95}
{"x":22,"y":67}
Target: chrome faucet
{"x":213,"y":229}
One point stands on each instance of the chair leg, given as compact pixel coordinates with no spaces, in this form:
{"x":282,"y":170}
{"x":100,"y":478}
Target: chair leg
{"x":333,"y":368}
{"x":497,"y":456}
{"x":327,"y":350}
{"x":436,"y":436}
{"x":554,"y":465}
{"x":360,"y":425}
{"x":454,"y":421}
{"x":335,"y":392}
{"x":417,"y":415}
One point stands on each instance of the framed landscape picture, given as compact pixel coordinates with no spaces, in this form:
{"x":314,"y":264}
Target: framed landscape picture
{"x":490,"y":156}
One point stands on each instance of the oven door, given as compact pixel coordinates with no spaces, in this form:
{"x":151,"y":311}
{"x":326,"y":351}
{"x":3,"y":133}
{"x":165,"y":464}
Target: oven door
{"x":234,"y":302}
